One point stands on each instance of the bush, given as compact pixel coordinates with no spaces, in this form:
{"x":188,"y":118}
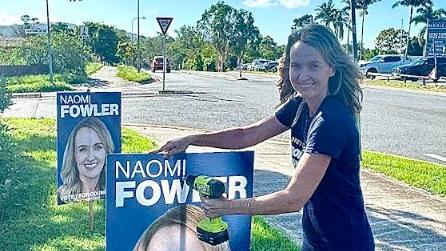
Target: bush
{"x":130,"y":73}
{"x":6,"y":146}
{"x":92,"y":68}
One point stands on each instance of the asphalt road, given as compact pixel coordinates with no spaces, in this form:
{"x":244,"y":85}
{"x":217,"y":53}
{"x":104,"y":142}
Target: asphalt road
{"x":399,"y":122}
{"x":393,"y":121}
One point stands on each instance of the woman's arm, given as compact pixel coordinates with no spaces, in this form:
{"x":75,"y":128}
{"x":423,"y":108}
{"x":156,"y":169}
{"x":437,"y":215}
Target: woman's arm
{"x":308,"y":174}
{"x":232,"y":138}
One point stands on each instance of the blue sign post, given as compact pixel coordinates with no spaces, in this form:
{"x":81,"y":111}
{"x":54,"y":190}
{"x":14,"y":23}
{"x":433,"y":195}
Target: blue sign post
{"x":88,"y":128}
{"x":143,"y":189}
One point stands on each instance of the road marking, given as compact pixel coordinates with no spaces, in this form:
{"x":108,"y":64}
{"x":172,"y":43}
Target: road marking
{"x":438,"y":157}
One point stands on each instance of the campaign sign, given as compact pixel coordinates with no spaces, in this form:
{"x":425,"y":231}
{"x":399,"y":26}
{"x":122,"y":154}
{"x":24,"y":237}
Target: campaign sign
{"x":146,"y":192}
{"x":88,"y":128}
{"x":436,"y":37}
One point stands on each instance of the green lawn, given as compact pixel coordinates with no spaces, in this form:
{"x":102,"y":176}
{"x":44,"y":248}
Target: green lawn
{"x":421,"y":174}
{"x":29,"y":216}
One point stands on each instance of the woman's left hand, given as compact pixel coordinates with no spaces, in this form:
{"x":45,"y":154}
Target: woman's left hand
{"x":215,"y":207}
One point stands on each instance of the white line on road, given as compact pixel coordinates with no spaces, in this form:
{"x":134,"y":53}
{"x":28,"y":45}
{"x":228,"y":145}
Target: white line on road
{"x":438,"y":157}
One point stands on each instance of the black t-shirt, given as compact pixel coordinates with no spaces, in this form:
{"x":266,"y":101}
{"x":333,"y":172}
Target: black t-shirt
{"x":334,"y":217}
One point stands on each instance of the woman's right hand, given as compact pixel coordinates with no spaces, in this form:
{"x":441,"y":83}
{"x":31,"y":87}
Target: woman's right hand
{"x":174,"y":146}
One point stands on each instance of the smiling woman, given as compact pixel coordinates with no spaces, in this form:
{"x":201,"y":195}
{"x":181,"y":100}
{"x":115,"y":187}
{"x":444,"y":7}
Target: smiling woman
{"x":83,"y":172}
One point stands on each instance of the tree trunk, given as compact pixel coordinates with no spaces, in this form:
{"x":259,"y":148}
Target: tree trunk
{"x":361,"y":56}
{"x":348,"y":40}
{"x":408,"y":31}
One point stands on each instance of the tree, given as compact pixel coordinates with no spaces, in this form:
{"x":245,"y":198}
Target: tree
{"x":61,"y":27}
{"x":415,"y":48}
{"x":326,"y":12}
{"x":269,"y":49}
{"x":411,"y":4}
{"x":301,"y":22}
{"x":217,"y":23}
{"x":363,"y":5}
{"x":340,"y":20}
{"x":389,"y":40}
{"x":427,"y":13}
{"x":245,"y":34}
{"x":103,"y":41}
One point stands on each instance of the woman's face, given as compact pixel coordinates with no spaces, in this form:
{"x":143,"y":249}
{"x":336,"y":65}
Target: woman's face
{"x":309,"y":73}
{"x":89,"y":153}
{"x":175,"y":237}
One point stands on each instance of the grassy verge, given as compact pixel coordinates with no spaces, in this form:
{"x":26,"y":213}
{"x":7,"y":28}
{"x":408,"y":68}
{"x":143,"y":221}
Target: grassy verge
{"x":92,"y":68}
{"x":130,"y":73}
{"x":29,"y":216}
{"x":408,"y":85}
{"x":425,"y":175}
{"x":40,"y":83}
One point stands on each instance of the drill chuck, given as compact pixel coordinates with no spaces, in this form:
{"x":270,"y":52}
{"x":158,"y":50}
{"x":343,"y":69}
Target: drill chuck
{"x":206,"y":186}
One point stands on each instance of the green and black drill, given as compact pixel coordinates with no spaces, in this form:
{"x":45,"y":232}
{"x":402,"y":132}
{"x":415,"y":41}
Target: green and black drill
{"x":213,"y":231}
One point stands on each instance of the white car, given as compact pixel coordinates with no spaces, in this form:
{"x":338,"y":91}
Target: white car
{"x":382,"y":64}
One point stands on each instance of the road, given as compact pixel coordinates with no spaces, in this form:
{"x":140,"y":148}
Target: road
{"x":399,"y":122}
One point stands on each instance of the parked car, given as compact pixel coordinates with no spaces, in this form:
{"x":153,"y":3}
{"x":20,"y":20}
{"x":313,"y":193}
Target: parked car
{"x":271,"y":66}
{"x":157,"y":64}
{"x":382,"y":64}
{"x":422,"y":67}
{"x":259,"y":64}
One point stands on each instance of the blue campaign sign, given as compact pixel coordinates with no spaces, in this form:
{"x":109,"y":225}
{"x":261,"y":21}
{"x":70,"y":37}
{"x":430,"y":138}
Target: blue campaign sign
{"x":88,"y":128}
{"x":436,"y":37}
{"x":147,"y":198}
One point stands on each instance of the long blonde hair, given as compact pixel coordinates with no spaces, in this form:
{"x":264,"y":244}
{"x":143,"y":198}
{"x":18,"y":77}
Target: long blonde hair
{"x":343,"y":85}
{"x":69,"y":171}
{"x":184,"y":215}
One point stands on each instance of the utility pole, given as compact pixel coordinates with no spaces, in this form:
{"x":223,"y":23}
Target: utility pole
{"x":353,"y":18}
{"x":50,"y":54}
{"x":139,"y":51}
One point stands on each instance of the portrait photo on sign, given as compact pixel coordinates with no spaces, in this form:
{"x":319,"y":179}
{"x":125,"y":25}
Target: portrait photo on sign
{"x":84,"y":139}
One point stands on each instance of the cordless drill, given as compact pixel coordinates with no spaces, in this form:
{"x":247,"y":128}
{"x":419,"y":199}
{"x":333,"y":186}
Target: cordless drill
{"x":213,"y":231}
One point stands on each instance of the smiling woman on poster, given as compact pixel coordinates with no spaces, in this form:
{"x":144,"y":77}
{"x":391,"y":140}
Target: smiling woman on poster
{"x":83,"y":166}
{"x":177,"y":230}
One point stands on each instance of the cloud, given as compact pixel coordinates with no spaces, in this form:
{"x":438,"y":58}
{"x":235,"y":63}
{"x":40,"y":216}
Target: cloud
{"x":290,"y":4}
{"x":258,"y":3}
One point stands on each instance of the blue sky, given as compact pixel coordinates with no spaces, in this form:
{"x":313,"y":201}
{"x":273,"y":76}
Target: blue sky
{"x":273,"y":17}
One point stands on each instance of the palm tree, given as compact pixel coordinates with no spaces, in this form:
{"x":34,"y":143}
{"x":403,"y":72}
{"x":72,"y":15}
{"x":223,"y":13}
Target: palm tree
{"x":412,"y":4}
{"x":326,"y":12}
{"x":363,"y":5}
{"x":340,"y":21}
{"x":346,"y":8}
{"x":301,"y":22}
{"x":427,"y":13}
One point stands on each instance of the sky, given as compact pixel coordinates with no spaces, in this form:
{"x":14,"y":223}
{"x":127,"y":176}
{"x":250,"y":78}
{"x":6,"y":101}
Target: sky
{"x":272,"y":17}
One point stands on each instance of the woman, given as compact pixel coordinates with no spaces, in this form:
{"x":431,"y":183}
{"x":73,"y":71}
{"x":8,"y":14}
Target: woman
{"x":83,"y":172}
{"x":176,"y":230}
{"x":320,"y":83}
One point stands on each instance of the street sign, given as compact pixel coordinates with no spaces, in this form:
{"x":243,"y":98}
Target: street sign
{"x":436,"y":37}
{"x":164,"y":23}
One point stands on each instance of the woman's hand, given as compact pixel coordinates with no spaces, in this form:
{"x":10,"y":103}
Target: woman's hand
{"x":174,"y":146}
{"x":215,"y":207}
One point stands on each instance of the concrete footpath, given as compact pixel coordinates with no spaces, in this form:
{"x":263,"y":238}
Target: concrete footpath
{"x":402,"y":217}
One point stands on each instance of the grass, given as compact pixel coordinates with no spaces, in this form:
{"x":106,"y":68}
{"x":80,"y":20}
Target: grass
{"x":408,"y":85}
{"x":39,"y":83}
{"x":92,"y":68}
{"x":30,"y":218}
{"x":130,"y":73}
{"x":428,"y":176}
